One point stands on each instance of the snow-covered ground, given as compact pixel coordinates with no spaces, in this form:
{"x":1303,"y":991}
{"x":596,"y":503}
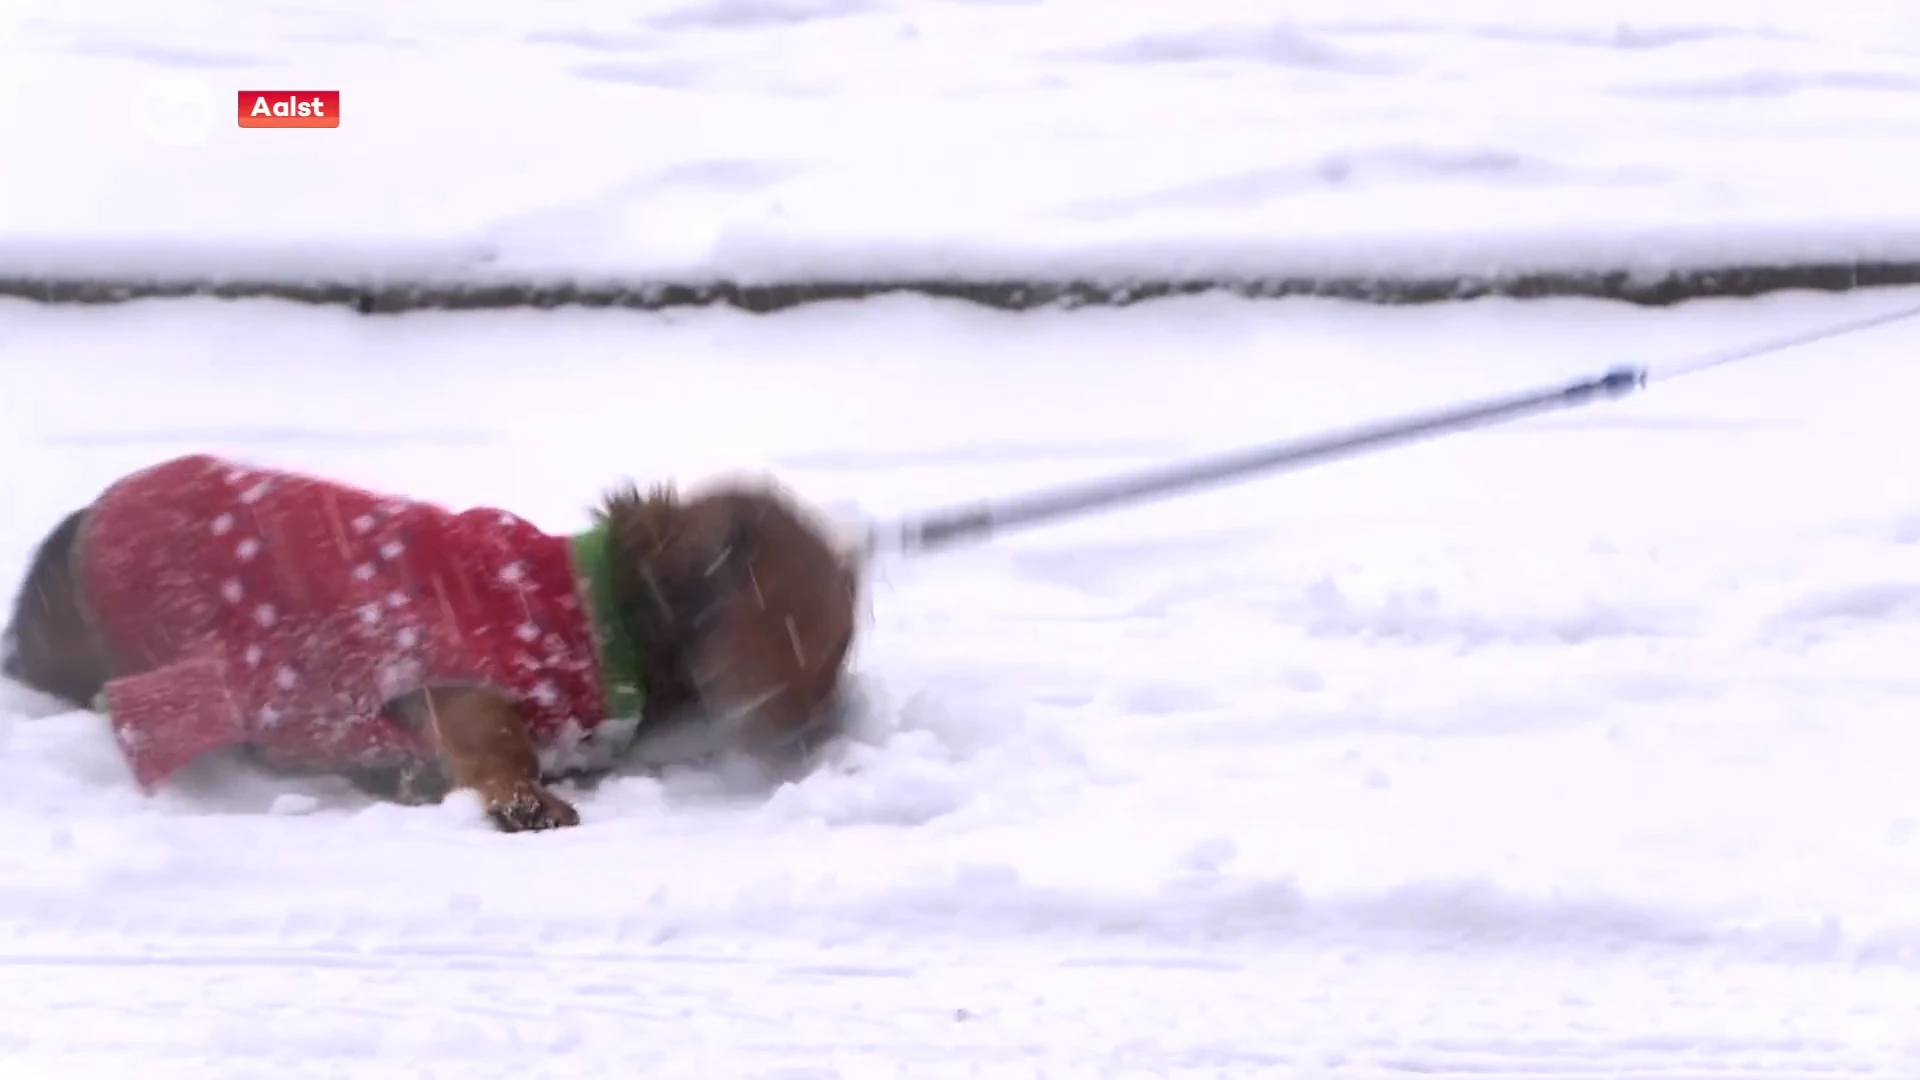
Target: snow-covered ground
{"x":1583,"y":747}
{"x":781,"y":139}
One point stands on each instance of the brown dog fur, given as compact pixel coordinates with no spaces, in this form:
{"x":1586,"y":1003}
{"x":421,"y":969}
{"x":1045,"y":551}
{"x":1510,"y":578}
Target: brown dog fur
{"x":742,"y":609}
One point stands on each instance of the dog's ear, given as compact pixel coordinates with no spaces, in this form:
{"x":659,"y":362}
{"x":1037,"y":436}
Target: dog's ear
{"x":676,"y":559}
{"x":656,"y":587}
{"x":639,"y":522}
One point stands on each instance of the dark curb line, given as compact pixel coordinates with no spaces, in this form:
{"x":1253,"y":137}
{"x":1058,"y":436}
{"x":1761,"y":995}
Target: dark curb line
{"x":391,"y":297}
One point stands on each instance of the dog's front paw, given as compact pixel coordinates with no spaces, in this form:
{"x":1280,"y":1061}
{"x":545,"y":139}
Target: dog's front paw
{"x":531,"y":808}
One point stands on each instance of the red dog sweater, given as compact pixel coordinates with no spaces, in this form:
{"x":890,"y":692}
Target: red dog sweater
{"x":282,"y":612}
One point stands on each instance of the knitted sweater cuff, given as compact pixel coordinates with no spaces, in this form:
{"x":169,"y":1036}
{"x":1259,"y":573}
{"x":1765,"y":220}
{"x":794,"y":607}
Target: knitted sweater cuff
{"x":166,"y":718}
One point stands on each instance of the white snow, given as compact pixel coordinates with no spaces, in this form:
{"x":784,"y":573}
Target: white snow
{"x":832,"y":139}
{"x":1584,"y":747}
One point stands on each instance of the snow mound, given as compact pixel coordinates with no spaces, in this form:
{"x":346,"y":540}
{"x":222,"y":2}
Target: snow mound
{"x":916,"y":139}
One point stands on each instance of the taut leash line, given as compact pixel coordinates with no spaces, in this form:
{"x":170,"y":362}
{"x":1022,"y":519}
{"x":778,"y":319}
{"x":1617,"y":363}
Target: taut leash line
{"x":981,"y":520}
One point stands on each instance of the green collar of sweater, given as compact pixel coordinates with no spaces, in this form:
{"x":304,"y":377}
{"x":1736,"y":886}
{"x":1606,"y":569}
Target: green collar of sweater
{"x":620,"y":669}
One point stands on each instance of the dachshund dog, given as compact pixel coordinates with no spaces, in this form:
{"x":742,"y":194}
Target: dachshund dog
{"x":206,"y":604}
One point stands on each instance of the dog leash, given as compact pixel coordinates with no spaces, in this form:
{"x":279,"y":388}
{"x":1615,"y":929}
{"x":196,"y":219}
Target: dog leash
{"x":979,"y":521}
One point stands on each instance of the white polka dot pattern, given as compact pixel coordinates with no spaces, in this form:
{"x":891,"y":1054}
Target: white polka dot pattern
{"x":284,"y":612}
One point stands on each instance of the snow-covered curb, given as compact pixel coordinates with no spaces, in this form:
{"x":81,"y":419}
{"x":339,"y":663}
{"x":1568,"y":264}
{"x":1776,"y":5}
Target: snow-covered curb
{"x":385,"y":286}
